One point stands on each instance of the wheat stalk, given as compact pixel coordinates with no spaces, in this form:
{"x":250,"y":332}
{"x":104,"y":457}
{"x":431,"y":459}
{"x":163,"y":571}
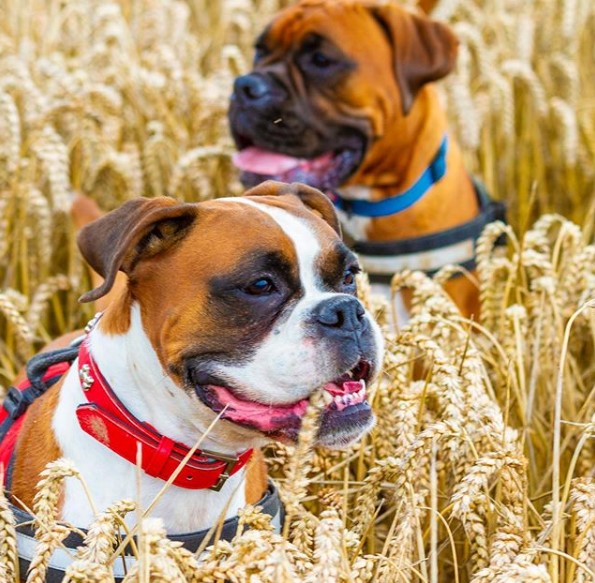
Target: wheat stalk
{"x":9,"y":564}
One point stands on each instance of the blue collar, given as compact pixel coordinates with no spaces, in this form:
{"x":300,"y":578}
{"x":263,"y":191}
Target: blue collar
{"x":401,"y":201}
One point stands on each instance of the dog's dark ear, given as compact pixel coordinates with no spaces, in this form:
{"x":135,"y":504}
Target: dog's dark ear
{"x":139,"y":229}
{"x":312,"y":198}
{"x":423,"y":50}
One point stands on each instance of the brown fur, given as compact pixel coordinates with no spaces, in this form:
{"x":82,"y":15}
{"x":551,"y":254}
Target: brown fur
{"x":427,"y":5}
{"x":256,"y":478}
{"x":84,"y":211}
{"x":35,"y":446}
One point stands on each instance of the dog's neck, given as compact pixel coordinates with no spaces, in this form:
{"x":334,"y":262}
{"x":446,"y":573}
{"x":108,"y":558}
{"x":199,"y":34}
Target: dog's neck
{"x":132,"y":368}
{"x":389,"y":170}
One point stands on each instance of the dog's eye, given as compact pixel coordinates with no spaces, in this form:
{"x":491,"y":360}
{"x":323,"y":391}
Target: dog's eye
{"x":349,"y":276}
{"x":260,"y":287}
{"x":320,"y":60}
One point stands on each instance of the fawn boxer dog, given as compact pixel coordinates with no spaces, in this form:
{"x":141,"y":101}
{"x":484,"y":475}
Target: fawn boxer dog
{"x":341,"y":98}
{"x":239,"y":307}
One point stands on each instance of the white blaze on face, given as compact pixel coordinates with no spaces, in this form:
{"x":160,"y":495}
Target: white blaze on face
{"x":289,"y":364}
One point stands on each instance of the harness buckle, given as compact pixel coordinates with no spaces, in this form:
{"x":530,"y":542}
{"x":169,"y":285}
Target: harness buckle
{"x":230,"y":462}
{"x":15,"y":403}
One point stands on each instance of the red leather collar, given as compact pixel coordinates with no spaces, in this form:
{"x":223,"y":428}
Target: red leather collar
{"x":106,"y":419}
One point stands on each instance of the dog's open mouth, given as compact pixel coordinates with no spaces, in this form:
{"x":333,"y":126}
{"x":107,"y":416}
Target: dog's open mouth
{"x":324,"y":171}
{"x":345,"y":398}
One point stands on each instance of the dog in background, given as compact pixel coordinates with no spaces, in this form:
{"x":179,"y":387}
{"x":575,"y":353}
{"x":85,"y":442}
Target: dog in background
{"x":341,"y":97}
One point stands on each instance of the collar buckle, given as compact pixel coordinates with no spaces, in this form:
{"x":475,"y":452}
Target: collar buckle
{"x":93,"y":322}
{"x":230,"y":462}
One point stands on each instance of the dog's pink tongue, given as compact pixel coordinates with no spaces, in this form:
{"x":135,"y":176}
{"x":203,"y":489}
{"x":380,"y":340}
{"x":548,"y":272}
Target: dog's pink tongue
{"x":345,"y":388}
{"x":261,"y":161}
{"x":263,"y":417}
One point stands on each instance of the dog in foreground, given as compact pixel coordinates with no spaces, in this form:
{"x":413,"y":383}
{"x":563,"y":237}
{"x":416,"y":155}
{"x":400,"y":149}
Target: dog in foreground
{"x":238,"y":307}
{"x":341,"y":97}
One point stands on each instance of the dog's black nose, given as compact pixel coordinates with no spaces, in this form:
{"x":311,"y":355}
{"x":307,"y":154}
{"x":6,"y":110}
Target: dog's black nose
{"x":342,"y":314}
{"x":251,"y":88}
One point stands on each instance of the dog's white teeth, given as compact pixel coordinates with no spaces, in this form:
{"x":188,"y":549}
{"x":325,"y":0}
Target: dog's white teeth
{"x":327,"y":397}
{"x":349,"y":399}
{"x":363,"y":384}
{"x":350,"y":374}
{"x":339,"y":400}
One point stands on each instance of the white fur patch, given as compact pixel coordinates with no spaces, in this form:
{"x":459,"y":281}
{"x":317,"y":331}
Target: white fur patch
{"x":356,"y":226}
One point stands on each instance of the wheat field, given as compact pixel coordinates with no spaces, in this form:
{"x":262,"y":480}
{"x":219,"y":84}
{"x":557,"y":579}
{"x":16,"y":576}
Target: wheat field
{"x":485,"y":470}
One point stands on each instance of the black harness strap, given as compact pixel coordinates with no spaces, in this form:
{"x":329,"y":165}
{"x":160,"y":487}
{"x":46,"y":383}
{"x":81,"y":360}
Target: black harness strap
{"x":489,"y":211}
{"x":16,"y":402}
{"x":270,"y":504}
{"x":40,"y":363}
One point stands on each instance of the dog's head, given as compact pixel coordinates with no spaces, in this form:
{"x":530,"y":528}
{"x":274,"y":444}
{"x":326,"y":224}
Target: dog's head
{"x":249,"y":303}
{"x":333,"y":88}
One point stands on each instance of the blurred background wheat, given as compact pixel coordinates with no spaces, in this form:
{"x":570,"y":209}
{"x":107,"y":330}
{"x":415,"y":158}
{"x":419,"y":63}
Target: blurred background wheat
{"x":484,"y":471}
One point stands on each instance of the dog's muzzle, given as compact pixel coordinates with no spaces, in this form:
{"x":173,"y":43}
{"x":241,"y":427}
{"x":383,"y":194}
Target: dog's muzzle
{"x":258,"y":91}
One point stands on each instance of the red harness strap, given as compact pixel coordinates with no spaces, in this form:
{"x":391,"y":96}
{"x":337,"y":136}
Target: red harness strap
{"x":8,"y":444}
{"x":106,"y":419}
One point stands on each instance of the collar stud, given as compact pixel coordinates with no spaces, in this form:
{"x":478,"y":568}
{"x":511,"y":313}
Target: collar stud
{"x":86,"y":379}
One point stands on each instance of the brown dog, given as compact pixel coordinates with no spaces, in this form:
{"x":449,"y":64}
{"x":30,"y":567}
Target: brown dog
{"x":237,"y":309}
{"x":341,"y":98}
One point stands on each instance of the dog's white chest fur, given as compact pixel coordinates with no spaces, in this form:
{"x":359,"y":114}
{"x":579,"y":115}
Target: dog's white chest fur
{"x":356,"y":226}
{"x":129,"y":363}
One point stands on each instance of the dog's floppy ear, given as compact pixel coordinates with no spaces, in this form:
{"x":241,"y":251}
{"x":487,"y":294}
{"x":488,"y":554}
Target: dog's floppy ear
{"x":312,"y":198}
{"x":139,"y":229}
{"x":423,"y":50}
